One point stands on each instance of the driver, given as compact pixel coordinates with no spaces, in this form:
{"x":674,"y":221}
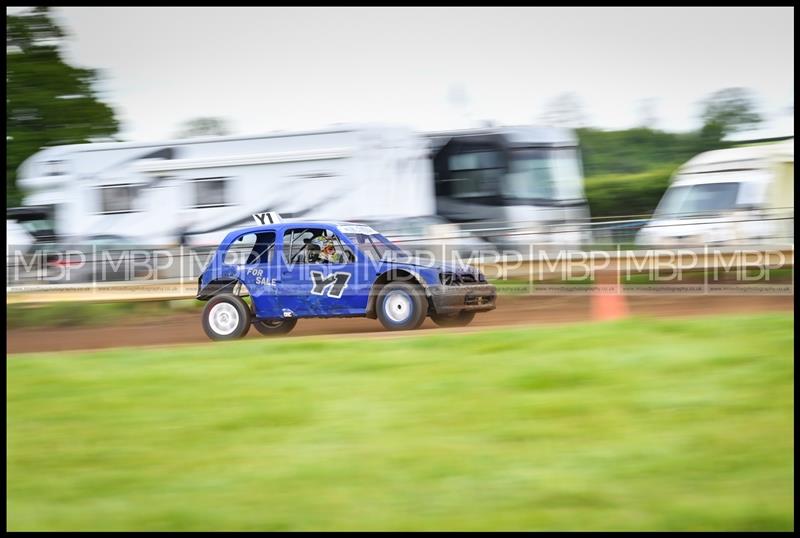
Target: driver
{"x":312,"y":254}
{"x":328,"y":254}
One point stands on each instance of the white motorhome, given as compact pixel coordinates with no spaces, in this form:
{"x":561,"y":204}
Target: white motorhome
{"x":194,"y":191}
{"x":199,"y":189}
{"x":736,"y":196}
{"x":520,"y":179}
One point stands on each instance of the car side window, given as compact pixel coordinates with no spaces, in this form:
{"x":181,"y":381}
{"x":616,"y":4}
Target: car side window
{"x":263,"y":249}
{"x":314,"y":245}
{"x":240,"y":249}
{"x":251,"y":248}
{"x":294,"y":244}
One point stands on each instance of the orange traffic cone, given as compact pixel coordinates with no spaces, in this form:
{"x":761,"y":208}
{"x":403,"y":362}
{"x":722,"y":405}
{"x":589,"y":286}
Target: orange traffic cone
{"x":608,"y":298}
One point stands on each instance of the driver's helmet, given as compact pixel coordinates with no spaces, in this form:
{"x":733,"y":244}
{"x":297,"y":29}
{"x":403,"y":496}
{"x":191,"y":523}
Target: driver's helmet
{"x":323,"y":246}
{"x":328,"y":247}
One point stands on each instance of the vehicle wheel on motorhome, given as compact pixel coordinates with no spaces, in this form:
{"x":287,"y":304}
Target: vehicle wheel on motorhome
{"x":226,"y":317}
{"x":269,"y":327}
{"x":462,"y":319}
{"x":401,"y":306}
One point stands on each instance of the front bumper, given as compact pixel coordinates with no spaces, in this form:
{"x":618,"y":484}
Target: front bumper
{"x":469,"y":297}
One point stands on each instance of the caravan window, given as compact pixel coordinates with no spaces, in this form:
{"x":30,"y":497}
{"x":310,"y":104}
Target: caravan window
{"x":55,"y":168}
{"x":210,"y":192}
{"x":117,"y":199}
{"x":698,"y":199}
{"x":475,"y":174}
{"x":530,"y":176}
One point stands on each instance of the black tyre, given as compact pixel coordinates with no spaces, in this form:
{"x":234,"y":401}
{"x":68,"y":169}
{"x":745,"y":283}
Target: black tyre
{"x":462,"y":319}
{"x":226,"y":317}
{"x":401,"y":306}
{"x":275,"y":327}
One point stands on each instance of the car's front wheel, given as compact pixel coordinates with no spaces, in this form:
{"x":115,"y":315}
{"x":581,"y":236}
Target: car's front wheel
{"x":401,"y":306}
{"x":226,"y":317}
{"x":275,"y":327}
{"x":462,"y":319}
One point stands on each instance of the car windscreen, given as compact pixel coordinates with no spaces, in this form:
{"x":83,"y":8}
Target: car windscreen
{"x":376,"y":246}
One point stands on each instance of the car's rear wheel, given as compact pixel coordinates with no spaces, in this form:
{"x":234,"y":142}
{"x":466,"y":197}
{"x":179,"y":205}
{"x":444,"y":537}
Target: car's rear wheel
{"x":275,"y":327}
{"x":401,"y":306}
{"x":462,"y":319}
{"x":226,"y":317}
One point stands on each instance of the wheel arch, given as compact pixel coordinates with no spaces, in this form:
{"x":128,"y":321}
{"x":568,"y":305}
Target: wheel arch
{"x":218,"y":286}
{"x":392,"y":275}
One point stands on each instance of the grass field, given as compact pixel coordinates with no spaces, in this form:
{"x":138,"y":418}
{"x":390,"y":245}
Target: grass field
{"x":638,"y":424}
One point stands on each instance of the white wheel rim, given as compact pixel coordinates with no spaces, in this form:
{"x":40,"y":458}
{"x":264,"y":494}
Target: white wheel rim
{"x":397,"y":306}
{"x":223,"y":318}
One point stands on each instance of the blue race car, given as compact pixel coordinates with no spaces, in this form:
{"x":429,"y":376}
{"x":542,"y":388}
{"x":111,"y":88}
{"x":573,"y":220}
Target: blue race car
{"x":324,"y":269}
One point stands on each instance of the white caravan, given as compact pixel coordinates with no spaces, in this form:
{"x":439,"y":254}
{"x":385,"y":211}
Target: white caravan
{"x":736,"y":196}
{"x":196,"y":190}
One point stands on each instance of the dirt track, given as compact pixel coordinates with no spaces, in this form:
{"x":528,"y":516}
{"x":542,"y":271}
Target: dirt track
{"x":185,"y":328}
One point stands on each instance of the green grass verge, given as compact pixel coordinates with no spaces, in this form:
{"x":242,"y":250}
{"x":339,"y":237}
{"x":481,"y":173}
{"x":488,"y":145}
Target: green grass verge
{"x":75,"y":314}
{"x":638,"y":424}
{"x":747,"y":276}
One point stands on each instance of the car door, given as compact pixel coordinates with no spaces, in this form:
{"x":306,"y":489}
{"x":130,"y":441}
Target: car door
{"x":310,"y":286}
{"x":254,"y":256}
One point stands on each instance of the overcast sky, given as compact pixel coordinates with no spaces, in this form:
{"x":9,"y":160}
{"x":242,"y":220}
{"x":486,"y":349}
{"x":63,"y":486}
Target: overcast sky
{"x":296,"y":68}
